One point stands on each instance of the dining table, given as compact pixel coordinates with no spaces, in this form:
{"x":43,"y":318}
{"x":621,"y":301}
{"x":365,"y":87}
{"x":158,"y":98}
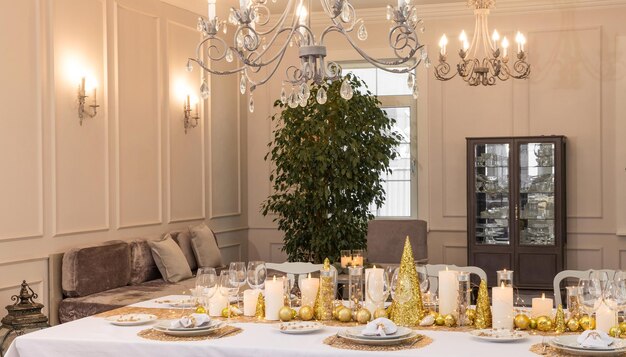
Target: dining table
{"x":96,"y":336}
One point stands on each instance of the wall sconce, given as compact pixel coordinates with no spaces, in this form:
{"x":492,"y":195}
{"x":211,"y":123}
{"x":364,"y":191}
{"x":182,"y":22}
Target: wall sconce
{"x":82,"y":99}
{"x":190,"y":120}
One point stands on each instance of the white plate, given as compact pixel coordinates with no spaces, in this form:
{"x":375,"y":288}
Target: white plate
{"x":499,"y":335}
{"x":357,"y":332}
{"x":571,"y":341}
{"x":365,"y":341}
{"x":165,"y":326}
{"x":588,"y":352}
{"x":131,"y":319}
{"x":298,"y":327}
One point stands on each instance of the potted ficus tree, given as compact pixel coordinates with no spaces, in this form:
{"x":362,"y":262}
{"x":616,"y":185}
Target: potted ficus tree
{"x":328,"y":160}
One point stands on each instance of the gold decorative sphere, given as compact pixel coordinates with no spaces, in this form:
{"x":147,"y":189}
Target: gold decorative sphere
{"x":225,"y":312}
{"x":434,"y":313}
{"x":614,"y":331}
{"x":471,"y":314}
{"x":532,"y":324}
{"x":363,"y":316}
{"x":587,"y":323}
{"x":336,"y":311}
{"x":573,"y":325}
{"x":200,"y":310}
{"x":522,"y":321}
{"x":380,"y":313}
{"x":344,"y":315}
{"x":622,"y":327}
{"x":284,"y":314}
{"x":544,"y":323}
{"x":440,"y":320}
{"x":306,"y":313}
{"x":449,"y":320}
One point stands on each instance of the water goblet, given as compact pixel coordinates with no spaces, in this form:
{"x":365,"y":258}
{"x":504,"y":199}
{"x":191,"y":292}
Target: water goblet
{"x":237,"y":272}
{"x":206,"y":285}
{"x":590,"y":296}
{"x":257,"y":274}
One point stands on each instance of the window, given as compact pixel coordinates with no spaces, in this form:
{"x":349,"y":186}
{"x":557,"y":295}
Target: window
{"x":397,"y":100}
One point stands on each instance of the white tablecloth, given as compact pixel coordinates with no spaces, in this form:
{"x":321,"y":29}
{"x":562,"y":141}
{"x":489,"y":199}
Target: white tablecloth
{"x":94,"y":336}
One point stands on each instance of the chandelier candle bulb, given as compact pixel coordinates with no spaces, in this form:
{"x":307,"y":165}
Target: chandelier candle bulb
{"x":448,"y":290}
{"x":309,"y":289}
{"x":505,"y":46}
{"x":521,"y":40}
{"x":443,"y":42}
{"x":541,"y":306}
{"x":502,"y":307}
{"x":243,"y":4}
{"x":605,"y":318}
{"x":250,"y":298}
{"x":274,"y":298}
{"x":495,"y":37}
{"x":211,"y":9}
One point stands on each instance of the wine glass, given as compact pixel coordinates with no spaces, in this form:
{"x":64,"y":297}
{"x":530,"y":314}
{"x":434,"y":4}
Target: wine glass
{"x":206,"y":285}
{"x":615,"y":295}
{"x":257,"y":273}
{"x":377,"y":288}
{"x":228,"y":288}
{"x":590,"y":296}
{"x":422,"y":276}
{"x":237,"y":272}
{"x":599,"y":278}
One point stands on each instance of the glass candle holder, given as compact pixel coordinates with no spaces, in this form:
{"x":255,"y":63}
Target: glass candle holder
{"x":463,"y":298}
{"x":357,"y":257}
{"x":346,"y":258}
{"x":326,"y":294}
{"x":504,"y":278}
{"x":355,"y":287}
{"x":572,"y":301}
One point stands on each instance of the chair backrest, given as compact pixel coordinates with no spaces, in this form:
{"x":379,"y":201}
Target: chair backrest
{"x":433,"y":273}
{"x":575,"y":274}
{"x":386,"y":237}
{"x":296,"y":268}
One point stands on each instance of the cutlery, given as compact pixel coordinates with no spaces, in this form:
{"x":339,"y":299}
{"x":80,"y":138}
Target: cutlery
{"x":230,"y":330}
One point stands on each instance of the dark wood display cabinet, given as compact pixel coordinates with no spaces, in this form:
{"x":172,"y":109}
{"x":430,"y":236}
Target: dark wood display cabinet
{"x":516,"y":211}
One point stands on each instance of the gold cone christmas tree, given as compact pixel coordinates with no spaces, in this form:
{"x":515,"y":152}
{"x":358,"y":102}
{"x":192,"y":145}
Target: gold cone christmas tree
{"x":411,"y":312}
{"x":260,"y":307}
{"x":559,"y":320}
{"x":483,"y":307}
{"x":323,"y":307}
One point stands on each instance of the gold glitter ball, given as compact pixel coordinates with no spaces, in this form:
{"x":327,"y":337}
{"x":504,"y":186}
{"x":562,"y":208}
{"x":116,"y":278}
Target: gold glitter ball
{"x":614,"y":331}
{"x":380,"y":313}
{"x":522,"y":321}
{"x":225,"y":312}
{"x":363,"y":316}
{"x":449,"y":320}
{"x":344,"y":315}
{"x":622,"y":327}
{"x":306,"y":313}
{"x":573,"y":325}
{"x":471,"y":315}
{"x":200,"y":310}
{"x":336,"y":311}
{"x":532,"y":324}
{"x":284,"y":314}
{"x":587,"y":323}
{"x":440,"y":320}
{"x":544,"y":323}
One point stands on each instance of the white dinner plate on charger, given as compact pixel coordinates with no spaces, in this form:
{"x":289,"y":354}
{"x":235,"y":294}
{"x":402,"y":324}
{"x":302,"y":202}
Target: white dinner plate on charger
{"x":358,"y":333}
{"x":164,"y":326}
{"x":298,"y":327}
{"x":370,"y":342}
{"x":499,"y":335}
{"x":131,"y":319}
{"x":571,"y":342}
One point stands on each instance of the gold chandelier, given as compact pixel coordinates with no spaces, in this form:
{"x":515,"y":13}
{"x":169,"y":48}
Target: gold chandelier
{"x":494,"y":63}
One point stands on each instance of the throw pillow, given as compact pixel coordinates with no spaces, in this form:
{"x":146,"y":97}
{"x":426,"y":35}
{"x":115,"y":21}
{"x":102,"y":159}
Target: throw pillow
{"x":170,"y":260}
{"x":205,"y":247}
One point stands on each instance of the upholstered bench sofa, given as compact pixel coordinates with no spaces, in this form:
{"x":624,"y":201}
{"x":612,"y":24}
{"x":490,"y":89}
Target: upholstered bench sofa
{"x":117,"y":273}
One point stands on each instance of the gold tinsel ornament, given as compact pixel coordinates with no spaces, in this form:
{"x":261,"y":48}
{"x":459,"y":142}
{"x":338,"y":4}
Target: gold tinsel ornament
{"x":323,"y":306}
{"x":260,"y":307}
{"x":559,"y":320}
{"x":483,"y":307}
{"x":411,"y":312}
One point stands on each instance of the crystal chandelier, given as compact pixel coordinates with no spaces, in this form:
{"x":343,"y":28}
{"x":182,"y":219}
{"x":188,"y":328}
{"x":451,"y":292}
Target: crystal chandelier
{"x":495,"y":61}
{"x":261,"y":41}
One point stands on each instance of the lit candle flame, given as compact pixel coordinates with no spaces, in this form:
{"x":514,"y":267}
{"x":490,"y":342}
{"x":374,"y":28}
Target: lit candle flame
{"x":543,"y":296}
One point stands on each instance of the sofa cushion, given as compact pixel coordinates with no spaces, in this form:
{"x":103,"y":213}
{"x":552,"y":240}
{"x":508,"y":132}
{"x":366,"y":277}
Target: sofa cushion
{"x":76,"y":308}
{"x":205,"y":247}
{"x":170,"y":260}
{"x":142,"y":265}
{"x":95,"y":269}
{"x":183,"y":238}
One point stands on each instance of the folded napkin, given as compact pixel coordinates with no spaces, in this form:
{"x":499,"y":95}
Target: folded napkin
{"x":594,"y":339}
{"x":380,"y":327}
{"x":193,"y":320}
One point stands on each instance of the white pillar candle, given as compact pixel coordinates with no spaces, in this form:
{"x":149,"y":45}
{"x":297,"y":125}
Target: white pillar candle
{"x":309,"y":288}
{"x":448,"y":291}
{"x":541,"y":307}
{"x":502,"y":307}
{"x":217,"y":303}
{"x":274,"y":298}
{"x":605,"y":318}
{"x":250,"y":299}
{"x":374,"y":289}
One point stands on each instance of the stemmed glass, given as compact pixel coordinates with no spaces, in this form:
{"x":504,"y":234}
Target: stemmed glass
{"x":228,"y":288}
{"x":590,"y":296}
{"x":377,"y":290}
{"x":257,"y":274}
{"x":237,"y":272}
{"x":422,"y":276}
{"x":206,"y":285}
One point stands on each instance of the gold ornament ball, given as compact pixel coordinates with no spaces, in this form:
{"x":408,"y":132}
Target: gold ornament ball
{"x":380,"y":313}
{"x":284,"y":314}
{"x":471,"y":314}
{"x":294,"y":314}
{"x":522,"y":321}
{"x":449,"y":320}
{"x":363,"y":316}
{"x":544,"y":323}
{"x":587,"y":323}
{"x":344,"y":315}
{"x":614,"y":331}
{"x":225,"y":312}
{"x":336,"y":310}
{"x":622,"y":327}
{"x":532,"y":324}
{"x":573,"y":325}
{"x":200,"y":310}
{"x":306,"y":313}
{"x":440,"y":320}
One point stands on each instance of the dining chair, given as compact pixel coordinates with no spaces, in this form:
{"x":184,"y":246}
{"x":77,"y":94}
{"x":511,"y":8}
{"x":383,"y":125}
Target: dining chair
{"x":386,"y":238}
{"x":433,"y":270}
{"x":301,"y":269}
{"x":573,"y":274}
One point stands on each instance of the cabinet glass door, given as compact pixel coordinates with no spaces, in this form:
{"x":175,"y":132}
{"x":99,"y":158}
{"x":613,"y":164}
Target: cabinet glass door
{"x":491,"y":172}
{"x":536,"y":196}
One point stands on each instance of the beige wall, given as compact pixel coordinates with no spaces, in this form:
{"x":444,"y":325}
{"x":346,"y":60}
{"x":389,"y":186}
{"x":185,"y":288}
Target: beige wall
{"x":577,"y":88}
{"x":131,"y":171}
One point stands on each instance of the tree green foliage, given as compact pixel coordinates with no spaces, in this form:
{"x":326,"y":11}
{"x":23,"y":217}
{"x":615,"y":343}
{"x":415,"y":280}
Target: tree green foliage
{"x":328,"y":163}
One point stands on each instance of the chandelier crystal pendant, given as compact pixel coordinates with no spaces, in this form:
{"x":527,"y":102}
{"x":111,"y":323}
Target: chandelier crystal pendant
{"x":494,"y":63}
{"x":262,"y":41}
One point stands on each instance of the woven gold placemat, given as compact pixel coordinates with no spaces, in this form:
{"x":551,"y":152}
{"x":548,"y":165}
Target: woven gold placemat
{"x":155,"y":335}
{"x":549,"y":351}
{"x":419,"y":341}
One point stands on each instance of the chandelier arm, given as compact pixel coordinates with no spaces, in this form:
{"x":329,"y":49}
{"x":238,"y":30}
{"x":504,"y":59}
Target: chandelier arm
{"x":486,"y":41}
{"x":212,"y":71}
{"x":272,"y":72}
{"x":280,"y":21}
{"x":272,"y":59}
